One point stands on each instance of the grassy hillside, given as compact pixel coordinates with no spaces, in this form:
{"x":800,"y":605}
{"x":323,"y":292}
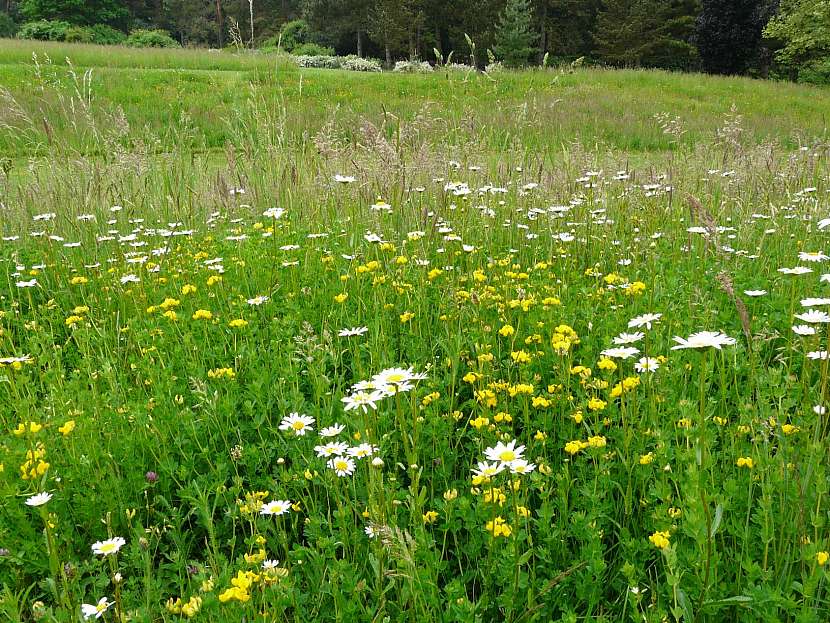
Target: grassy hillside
{"x":193,"y":95}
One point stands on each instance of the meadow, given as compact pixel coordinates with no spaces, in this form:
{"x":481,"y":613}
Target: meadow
{"x":311,"y":345}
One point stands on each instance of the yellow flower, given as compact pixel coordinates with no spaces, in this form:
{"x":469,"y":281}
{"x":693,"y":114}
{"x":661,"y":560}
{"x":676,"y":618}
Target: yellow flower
{"x":171,"y":315}
{"x":660,"y":539}
{"x":340,"y":298}
{"x":520,"y":356}
{"x":78,"y":281}
{"x":430,"y":517}
{"x":407,"y":316}
{"x":67,"y":428}
{"x":498,"y":527}
{"x":188,"y":289}
{"x":821,"y":558}
{"x":80,"y":309}
{"x":71,"y":321}
{"x":238,"y":323}
{"x":745,"y":461}
{"x":450,"y":494}
{"x":789,"y":429}
{"x":595,"y":404}
{"x":506,"y":331}
{"x":202,"y":314}
{"x":213,"y":280}
{"x":646,"y":459}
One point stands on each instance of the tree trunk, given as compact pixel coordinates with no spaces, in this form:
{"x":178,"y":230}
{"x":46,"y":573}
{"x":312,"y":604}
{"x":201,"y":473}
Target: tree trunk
{"x":543,"y":32}
{"x":220,"y":24}
{"x":438,"y":45}
{"x":412,"y":51}
{"x":360,"y":43}
{"x":388,"y":54}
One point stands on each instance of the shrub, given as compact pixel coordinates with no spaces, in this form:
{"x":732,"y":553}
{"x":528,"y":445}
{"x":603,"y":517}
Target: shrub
{"x":413,"y":67}
{"x":8,"y":27}
{"x":102,"y":34}
{"x":142,"y":38}
{"x":78,"y":34}
{"x":294,"y":34}
{"x":350,"y":63}
{"x":312,"y":49}
{"x":319,"y":62}
{"x":45,"y":30}
{"x":356,"y":63}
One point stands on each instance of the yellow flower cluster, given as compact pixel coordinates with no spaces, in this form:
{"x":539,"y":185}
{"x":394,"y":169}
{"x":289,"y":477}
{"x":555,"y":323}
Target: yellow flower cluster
{"x":188,"y":608}
{"x":498,"y":527}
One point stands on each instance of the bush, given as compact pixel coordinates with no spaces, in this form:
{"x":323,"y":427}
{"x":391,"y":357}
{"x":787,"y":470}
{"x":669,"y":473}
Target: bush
{"x":78,"y":34}
{"x":350,"y":63}
{"x":142,"y":38}
{"x":319,"y":62}
{"x":294,"y":34}
{"x":312,"y":49}
{"x":106,"y":35}
{"x":356,"y":63}
{"x":8,"y":27}
{"x":45,"y":30}
{"x":413,"y":67}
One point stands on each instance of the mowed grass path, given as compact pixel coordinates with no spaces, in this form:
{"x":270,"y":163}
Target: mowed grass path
{"x":169,"y":94}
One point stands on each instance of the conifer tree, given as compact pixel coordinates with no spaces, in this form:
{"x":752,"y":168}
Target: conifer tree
{"x":515,"y":35}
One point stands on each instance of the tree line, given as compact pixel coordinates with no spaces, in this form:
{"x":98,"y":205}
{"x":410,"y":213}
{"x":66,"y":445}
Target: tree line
{"x":790,"y":38}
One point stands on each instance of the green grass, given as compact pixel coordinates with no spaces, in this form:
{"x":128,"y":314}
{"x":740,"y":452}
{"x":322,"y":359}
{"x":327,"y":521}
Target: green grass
{"x":542,"y":111}
{"x":150,"y":392}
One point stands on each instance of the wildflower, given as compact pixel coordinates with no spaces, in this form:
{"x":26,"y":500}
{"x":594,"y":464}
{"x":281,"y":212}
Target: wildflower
{"x":300,"y":424}
{"x":67,"y":428}
{"x":39,"y":499}
{"x":706,"y":339}
{"x":450,"y":494}
{"x":606,"y":364}
{"x":505,"y":454}
{"x":355,"y":331}
{"x":331,"y":431}
{"x":506,"y":331}
{"x":754,"y":293}
{"x":238,"y":323}
{"x":647,"y":459}
{"x":520,"y":356}
{"x":108,"y":547}
{"x":628,"y":338}
{"x":362,"y":400}
{"x":275,"y":507}
{"x":406,"y":316}
{"x":362,"y":451}
{"x":646,"y":320}
{"x":498,"y":527}
{"x":625,"y":352}
{"x":335,"y":448}
{"x":660,"y":539}
{"x":202,"y":314}
{"x":95,"y":610}
{"x":595,"y":404}
{"x":340,"y":298}
{"x":488,"y":470}
{"x":257,"y":300}
{"x":342,"y":466}
{"x":647,"y":364}
{"x":745,"y":461}
{"x":572,"y":447}
{"x":430,"y":517}
{"x":521,"y":466}
{"x":822,"y":558}
{"x":814,"y":316}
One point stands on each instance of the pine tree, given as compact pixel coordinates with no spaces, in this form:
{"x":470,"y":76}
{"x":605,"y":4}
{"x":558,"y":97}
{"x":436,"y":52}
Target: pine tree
{"x":515,"y":34}
{"x":728,"y":33}
{"x":648,"y":33}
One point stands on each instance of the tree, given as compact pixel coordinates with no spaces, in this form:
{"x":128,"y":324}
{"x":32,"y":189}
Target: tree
{"x":648,"y":33}
{"x":388,"y":25}
{"x":515,"y":35}
{"x":728,"y":33}
{"x":801,"y":31}
{"x":83,"y":12}
{"x":332,"y":20}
